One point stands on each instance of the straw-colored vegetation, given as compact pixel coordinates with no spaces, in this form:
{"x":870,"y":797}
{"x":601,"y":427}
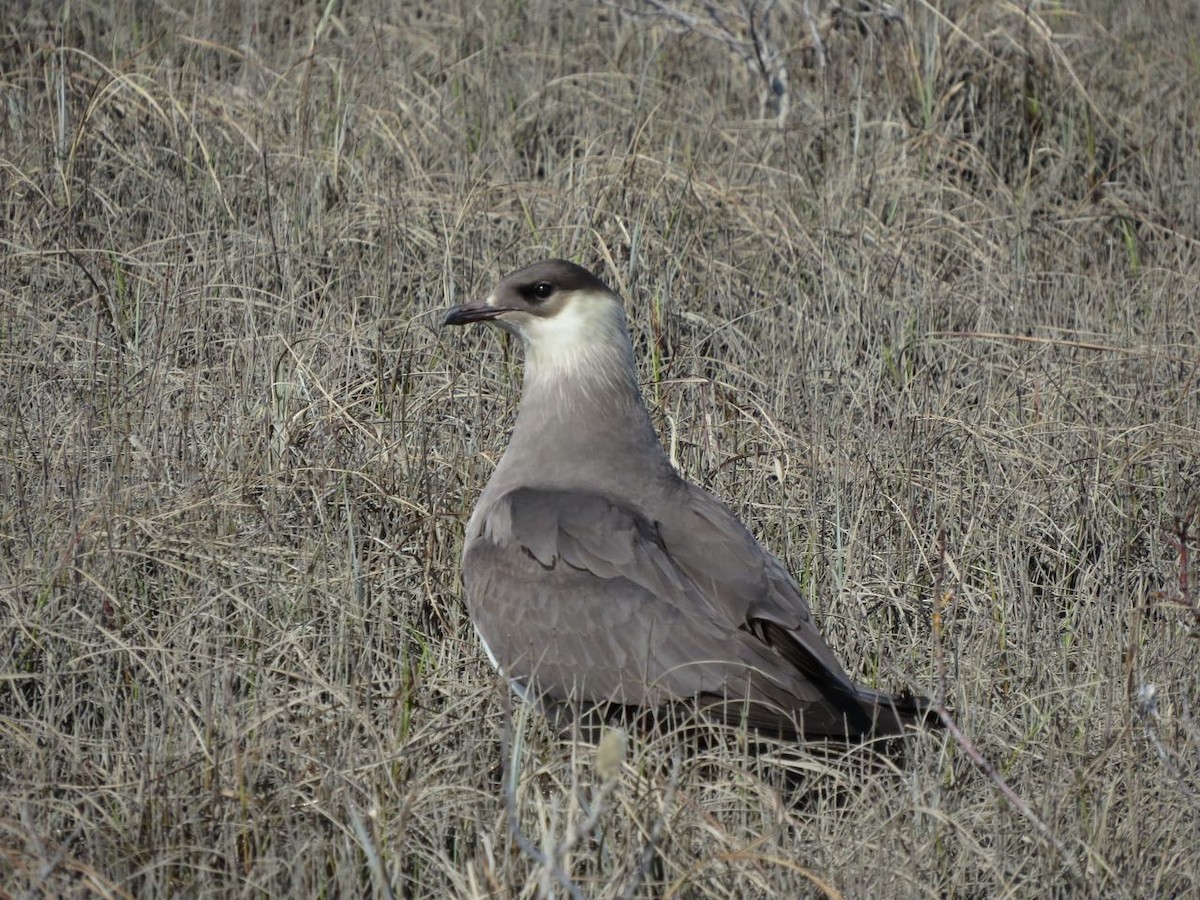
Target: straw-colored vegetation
{"x":948,"y":283}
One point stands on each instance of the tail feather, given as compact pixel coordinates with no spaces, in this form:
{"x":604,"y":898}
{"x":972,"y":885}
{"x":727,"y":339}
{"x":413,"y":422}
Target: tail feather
{"x":896,"y":713}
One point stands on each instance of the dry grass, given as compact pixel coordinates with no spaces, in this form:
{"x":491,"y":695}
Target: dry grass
{"x":957,"y":291}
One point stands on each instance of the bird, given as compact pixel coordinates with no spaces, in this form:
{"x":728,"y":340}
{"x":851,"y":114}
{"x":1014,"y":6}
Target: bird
{"x":599,"y":578}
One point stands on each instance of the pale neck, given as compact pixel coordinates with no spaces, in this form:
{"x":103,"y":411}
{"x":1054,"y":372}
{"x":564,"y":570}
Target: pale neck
{"x":582,"y":421}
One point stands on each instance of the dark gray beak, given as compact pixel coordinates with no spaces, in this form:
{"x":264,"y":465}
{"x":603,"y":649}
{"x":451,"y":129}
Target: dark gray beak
{"x":466,"y":313}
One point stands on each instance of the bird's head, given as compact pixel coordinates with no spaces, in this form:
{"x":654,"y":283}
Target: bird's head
{"x":569,"y":320}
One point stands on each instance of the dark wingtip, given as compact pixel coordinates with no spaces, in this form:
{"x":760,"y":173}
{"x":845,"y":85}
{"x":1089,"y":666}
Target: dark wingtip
{"x":915,"y":711}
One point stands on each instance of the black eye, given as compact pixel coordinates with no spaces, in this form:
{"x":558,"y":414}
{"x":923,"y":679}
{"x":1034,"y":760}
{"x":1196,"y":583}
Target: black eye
{"x":542,"y":290}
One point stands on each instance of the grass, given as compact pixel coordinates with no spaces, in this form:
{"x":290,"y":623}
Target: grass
{"x":949,"y":300}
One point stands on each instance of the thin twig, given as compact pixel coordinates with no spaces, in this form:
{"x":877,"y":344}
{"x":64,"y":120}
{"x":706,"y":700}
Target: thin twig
{"x":942,"y":599}
{"x":1180,"y":540}
{"x":1145,"y":709}
{"x":368,"y":848}
{"x":757,"y":51}
{"x":650,"y":850}
{"x":508,"y":754}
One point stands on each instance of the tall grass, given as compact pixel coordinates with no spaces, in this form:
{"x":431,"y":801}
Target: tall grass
{"x":954,"y":292}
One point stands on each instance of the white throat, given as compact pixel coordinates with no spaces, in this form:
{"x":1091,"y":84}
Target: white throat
{"x":580,"y":354}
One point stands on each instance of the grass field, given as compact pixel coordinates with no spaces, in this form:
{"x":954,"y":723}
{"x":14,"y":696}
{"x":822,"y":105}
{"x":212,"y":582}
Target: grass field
{"x":922,"y":302}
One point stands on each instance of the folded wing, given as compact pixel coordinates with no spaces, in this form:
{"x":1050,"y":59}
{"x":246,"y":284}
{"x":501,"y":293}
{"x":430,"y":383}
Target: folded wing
{"x":584,"y":598}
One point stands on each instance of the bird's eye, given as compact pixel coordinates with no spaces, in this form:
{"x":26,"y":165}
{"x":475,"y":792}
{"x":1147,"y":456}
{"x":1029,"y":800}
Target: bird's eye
{"x":542,"y":290}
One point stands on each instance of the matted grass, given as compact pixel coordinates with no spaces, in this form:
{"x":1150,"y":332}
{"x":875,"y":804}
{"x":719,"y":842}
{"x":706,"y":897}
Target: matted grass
{"x":954,"y":291}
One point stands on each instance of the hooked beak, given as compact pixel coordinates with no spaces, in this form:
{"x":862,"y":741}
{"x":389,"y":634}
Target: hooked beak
{"x":465,"y":313}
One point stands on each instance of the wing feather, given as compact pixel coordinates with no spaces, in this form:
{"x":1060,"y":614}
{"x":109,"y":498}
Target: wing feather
{"x":752,"y":586}
{"x":587,"y":598}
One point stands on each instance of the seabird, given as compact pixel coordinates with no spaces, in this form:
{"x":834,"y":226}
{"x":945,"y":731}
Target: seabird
{"x":597,"y":577}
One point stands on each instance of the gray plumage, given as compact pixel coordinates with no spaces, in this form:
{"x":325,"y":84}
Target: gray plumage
{"x":595,"y":574}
